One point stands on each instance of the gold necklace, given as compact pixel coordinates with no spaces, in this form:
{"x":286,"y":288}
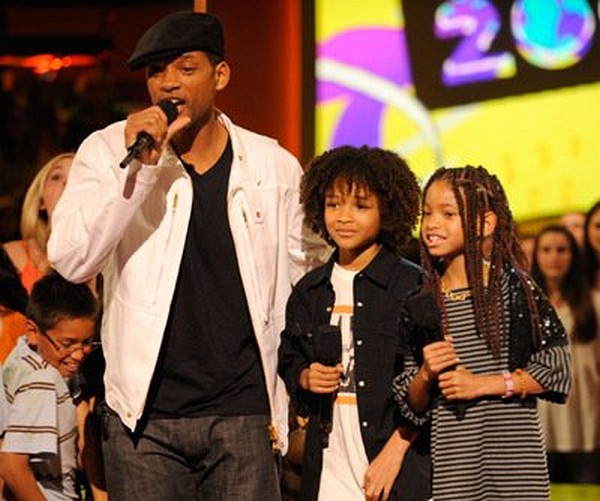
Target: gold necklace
{"x":460,"y":295}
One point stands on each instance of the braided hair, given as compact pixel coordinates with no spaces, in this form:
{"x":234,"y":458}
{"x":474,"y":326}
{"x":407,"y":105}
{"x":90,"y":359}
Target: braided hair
{"x":478,"y":192}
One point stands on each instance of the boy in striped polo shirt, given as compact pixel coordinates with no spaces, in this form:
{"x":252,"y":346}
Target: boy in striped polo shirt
{"x":39,"y":457}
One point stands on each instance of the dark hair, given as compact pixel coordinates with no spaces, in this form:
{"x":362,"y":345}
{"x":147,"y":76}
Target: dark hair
{"x":477,"y":192}
{"x":214,"y":59}
{"x":572,"y":287}
{"x":54,"y":299}
{"x":380,"y":172}
{"x":12,"y":293}
{"x":590,"y":258}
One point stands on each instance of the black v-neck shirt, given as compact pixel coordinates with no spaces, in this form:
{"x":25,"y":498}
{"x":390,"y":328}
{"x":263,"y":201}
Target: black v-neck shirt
{"x":209,"y":362}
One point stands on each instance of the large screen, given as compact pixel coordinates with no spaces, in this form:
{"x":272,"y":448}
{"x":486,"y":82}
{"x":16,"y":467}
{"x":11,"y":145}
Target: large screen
{"x":513,"y":85}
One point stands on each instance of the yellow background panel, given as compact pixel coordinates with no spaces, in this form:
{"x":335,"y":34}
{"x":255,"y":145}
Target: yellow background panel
{"x":544,"y":147}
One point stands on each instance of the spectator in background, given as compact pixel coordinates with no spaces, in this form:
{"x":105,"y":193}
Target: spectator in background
{"x":38,"y":457}
{"x":574,"y":222}
{"x":572,"y":430}
{"x":29,"y":254}
{"x":591,"y":247}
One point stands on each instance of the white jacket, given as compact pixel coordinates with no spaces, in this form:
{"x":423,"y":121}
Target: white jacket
{"x":130,"y":225}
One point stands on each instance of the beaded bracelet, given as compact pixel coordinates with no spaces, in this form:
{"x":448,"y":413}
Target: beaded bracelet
{"x":509,"y":384}
{"x":522,"y":387}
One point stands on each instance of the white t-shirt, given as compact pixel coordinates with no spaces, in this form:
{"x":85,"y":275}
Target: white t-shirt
{"x":345,"y":460}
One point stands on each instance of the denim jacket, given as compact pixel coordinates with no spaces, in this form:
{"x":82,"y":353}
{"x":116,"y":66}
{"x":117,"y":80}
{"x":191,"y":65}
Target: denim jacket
{"x":379,"y":349}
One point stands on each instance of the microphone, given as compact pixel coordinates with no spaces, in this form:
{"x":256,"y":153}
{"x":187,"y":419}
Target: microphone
{"x":328,"y":351}
{"x":424,"y":311}
{"x":144,"y":140}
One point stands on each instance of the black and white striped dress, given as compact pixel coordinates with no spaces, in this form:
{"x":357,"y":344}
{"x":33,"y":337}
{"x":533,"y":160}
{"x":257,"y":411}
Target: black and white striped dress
{"x":496,"y":450}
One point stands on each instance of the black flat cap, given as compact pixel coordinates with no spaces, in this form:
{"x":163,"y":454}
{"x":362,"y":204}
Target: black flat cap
{"x":177,"y":33}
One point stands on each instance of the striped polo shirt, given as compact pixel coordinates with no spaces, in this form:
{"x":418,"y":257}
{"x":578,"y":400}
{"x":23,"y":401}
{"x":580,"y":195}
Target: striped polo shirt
{"x":40,"y":420}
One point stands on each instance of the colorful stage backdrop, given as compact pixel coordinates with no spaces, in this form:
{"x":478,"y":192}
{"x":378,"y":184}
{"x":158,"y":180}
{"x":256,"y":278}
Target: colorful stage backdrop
{"x":511,"y":85}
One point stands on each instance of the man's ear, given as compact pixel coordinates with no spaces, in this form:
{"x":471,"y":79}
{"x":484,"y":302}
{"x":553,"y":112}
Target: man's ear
{"x":222,"y":75}
{"x":32,"y":332}
{"x":490,"y":220}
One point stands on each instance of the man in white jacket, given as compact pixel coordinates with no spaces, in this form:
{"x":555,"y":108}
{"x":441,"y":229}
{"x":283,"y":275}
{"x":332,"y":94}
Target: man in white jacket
{"x":198,"y":239}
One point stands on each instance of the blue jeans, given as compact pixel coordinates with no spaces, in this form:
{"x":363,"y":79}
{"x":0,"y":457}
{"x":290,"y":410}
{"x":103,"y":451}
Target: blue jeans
{"x":204,"y":458}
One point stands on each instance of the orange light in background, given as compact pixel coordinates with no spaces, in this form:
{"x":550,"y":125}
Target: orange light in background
{"x":41,"y":64}
{"x":55,"y":64}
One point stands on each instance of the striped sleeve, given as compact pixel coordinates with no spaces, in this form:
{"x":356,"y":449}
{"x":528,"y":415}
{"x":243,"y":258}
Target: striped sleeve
{"x":400,"y":389}
{"x":31,"y":421}
{"x":550,"y":364}
{"x":551,"y":368}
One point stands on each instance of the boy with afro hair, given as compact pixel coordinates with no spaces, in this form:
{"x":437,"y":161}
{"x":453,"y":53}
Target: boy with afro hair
{"x":345,"y":339}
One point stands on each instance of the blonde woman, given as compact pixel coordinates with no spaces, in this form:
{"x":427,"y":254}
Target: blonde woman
{"x":29,"y":254}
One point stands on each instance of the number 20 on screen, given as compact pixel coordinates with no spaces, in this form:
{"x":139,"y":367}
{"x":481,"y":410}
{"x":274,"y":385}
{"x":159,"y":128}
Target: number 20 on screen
{"x":548,"y":34}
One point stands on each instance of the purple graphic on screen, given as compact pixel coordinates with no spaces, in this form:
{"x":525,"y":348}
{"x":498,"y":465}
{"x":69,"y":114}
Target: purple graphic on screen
{"x":381,"y":52}
{"x":476,"y":23}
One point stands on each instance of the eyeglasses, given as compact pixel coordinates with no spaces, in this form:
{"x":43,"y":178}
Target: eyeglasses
{"x":68,"y":347}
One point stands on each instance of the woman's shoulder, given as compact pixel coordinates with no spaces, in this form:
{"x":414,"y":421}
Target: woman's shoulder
{"x":17,"y":253}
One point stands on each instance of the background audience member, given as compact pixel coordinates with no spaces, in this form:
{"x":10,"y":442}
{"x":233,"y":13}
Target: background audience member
{"x":591,"y":247}
{"x":572,"y":430}
{"x":38,"y":457}
{"x":29,"y":254}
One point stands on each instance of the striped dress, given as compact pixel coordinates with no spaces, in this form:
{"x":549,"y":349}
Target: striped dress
{"x":496,"y":451}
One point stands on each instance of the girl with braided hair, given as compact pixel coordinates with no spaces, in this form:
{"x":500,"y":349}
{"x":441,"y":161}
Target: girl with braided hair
{"x":500,"y":347}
